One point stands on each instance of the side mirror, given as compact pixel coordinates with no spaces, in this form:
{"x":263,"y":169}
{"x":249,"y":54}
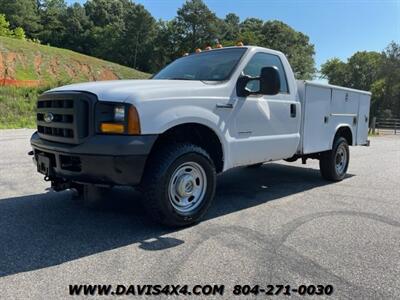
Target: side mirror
{"x":270,"y":82}
{"x":241,"y":89}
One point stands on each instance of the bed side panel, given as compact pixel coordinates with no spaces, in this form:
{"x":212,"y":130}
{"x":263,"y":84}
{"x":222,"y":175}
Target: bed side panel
{"x":316,"y":131}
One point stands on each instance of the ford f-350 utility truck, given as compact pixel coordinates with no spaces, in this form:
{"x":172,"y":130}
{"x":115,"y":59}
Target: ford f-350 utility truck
{"x":201,"y":115}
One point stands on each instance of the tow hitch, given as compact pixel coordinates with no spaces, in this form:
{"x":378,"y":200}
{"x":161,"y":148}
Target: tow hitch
{"x":58,"y":184}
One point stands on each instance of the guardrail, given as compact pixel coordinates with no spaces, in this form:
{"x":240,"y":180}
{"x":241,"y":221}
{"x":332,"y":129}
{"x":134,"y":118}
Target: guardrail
{"x":387,"y":124}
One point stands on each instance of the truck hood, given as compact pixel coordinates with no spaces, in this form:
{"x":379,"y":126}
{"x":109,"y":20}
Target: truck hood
{"x":144,"y":90}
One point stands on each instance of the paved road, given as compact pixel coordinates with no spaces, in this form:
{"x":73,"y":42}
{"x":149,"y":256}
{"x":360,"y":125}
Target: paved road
{"x":279,"y":224}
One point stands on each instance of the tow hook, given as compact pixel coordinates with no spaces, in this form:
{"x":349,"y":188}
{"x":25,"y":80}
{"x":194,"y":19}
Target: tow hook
{"x":30,"y":153}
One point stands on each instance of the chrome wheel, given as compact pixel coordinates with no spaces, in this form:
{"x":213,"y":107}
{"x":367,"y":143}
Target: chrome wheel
{"x":187,"y":187}
{"x":341,"y":159}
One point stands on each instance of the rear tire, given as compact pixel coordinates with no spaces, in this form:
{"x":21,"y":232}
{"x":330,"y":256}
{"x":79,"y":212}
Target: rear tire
{"x":333,"y":164}
{"x":179,"y":184}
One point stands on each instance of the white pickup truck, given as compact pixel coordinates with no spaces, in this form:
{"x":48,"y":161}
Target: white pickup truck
{"x":201,"y":115}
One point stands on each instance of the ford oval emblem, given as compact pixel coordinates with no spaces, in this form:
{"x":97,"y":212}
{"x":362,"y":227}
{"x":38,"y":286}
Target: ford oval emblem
{"x":48,"y":117}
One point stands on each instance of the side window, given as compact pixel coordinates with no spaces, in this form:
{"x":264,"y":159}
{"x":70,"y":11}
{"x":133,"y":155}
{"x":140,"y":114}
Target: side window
{"x":259,"y":61}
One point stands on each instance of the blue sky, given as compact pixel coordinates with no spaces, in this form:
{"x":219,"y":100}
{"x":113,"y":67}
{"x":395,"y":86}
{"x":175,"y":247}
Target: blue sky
{"x":337,"y":28}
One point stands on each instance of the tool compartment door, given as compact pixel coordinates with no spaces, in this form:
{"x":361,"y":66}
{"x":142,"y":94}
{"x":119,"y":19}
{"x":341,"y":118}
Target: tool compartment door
{"x":363,"y":119}
{"x":316,"y":108}
{"x":344,"y":110}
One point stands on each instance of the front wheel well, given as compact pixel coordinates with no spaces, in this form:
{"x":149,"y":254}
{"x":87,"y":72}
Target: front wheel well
{"x":346,"y":133}
{"x":196,"y":134}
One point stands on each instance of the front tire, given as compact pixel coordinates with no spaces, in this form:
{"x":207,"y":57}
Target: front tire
{"x":333,"y":164}
{"x":179,"y":184}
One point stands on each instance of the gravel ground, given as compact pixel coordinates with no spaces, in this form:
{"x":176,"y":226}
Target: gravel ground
{"x":278,"y":224}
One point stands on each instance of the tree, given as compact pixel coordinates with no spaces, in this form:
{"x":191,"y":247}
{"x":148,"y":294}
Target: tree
{"x":336,"y":72}
{"x":196,"y":25}
{"x":371,"y":71}
{"x":360,"y":72}
{"x":77,"y":30}
{"x":107,"y":22}
{"x":126,"y":33}
{"x":104,"y":42}
{"x":252,"y":24}
{"x":363,"y":68}
{"x":294,"y":44}
{"x":135,"y":44}
{"x":4,"y":26}
{"x":6,"y":31}
{"x":105,"y":12}
{"x":229,"y":28}
{"x":52,"y":17}
{"x":22,"y":13}
{"x":19,"y":33}
{"x":390,"y":73}
{"x":167,"y":45}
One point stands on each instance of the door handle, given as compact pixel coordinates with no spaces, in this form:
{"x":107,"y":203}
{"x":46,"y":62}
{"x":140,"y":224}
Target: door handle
{"x":227,"y":105}
{"x":293,"y":110}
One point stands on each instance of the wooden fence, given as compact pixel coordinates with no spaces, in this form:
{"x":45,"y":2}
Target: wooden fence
{"x":384,"y":124}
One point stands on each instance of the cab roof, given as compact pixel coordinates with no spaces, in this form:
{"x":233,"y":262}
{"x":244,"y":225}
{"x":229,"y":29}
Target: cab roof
{"x":252,"y":48}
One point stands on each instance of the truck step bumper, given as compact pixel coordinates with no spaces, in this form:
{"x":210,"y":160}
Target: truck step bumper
{"x":108,"y":170}
{"x":54,"y":160}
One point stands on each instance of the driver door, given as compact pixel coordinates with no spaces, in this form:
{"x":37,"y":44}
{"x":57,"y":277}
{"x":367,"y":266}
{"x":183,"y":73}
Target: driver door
{"x":266,"y":127}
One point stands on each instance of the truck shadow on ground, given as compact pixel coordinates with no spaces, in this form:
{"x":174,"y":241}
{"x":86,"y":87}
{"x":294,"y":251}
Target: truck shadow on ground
{"x":43,"y":230}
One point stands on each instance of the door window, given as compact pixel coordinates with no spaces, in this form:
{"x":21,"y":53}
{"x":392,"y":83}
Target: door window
{"x":259,"y":61}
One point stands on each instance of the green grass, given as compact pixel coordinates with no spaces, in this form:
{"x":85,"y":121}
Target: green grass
{"x":17,"y":107}
{"x":56,"y":65}
{"x":53,"y":67}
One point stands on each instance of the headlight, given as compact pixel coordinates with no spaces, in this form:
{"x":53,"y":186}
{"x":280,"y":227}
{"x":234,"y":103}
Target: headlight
{"x":119,"y":113}
{"x":122,"y":119}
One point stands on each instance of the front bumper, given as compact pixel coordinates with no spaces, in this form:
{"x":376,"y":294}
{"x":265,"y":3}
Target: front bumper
{"x":102,"y":159}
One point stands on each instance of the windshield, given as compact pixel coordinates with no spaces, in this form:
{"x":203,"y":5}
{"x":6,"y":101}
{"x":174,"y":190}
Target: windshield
{"x":215,"y":65}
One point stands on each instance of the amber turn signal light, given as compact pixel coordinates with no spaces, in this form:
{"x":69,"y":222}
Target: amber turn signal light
{"x":133,"y":121}
{"x":112,"y":128}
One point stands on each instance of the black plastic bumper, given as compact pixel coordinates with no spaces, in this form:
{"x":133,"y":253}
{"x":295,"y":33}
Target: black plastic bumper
{"x":102,"y":159}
